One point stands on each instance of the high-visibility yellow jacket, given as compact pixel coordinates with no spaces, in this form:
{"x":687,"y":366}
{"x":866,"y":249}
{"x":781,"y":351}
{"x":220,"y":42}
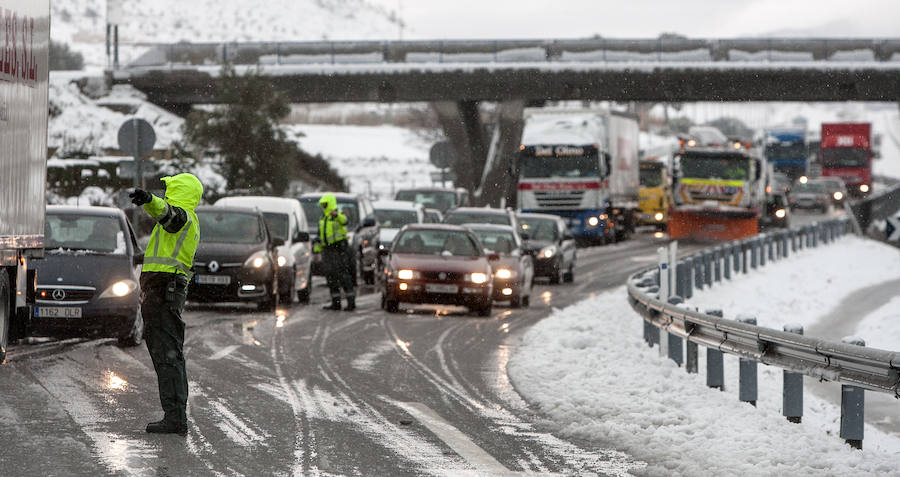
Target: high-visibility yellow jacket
{"x":176,"y":235}
{"x":331,"y":229}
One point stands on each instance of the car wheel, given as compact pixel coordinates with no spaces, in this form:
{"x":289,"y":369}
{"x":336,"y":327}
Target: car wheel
{"x":136,"y":336}
{"x":569,"y":276}
{"x":269,"y":303}
{"x":557,"y":276}
{"x":515,"y":301}
{"x":303,"y":294}
{"x":390,"y":306}
{"x":485,"y":310}
{"x":5,"y":315}
{"x":526,"y":301}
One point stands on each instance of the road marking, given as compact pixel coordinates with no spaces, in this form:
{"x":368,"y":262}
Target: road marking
{"x":224,"y":352}
{"x":459,"y":442}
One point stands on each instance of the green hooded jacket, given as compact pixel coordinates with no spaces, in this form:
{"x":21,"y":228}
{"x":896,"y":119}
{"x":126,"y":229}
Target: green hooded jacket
{"x":331,"y":229}
{"x":176,"y":235}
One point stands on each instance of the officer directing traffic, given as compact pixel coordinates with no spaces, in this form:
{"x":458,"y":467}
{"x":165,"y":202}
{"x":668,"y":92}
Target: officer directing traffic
{"x":164,"y":280}
{"x":337,"y":255}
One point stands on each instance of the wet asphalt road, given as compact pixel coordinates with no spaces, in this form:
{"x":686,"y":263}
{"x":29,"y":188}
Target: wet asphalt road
{"x":309,"y":392}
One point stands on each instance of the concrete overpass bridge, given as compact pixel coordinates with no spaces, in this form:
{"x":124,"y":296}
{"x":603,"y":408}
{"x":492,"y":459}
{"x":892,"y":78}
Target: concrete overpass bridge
{"x":455,"y":76}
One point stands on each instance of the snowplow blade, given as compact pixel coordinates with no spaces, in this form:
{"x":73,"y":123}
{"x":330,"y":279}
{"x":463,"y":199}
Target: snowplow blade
{"x":704,"y":226}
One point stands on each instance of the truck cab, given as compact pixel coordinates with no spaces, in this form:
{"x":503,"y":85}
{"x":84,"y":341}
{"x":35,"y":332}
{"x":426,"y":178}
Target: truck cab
{"x":654,"y":194}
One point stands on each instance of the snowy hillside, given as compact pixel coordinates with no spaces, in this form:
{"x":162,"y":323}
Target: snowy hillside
{"x":82,"y":23}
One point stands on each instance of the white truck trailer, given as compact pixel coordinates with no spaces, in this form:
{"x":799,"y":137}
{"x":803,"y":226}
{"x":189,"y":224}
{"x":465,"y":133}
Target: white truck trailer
{"x":24,"y":86}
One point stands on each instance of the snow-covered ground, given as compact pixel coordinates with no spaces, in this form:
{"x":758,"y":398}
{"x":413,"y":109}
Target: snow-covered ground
{"x":807,"y":285}
{"x":376,"y":160}
{"x":588,"y":370}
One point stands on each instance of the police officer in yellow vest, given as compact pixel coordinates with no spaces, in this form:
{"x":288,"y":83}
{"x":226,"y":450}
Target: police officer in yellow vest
{"x":337,"y":255}
{"x":164,"y":279}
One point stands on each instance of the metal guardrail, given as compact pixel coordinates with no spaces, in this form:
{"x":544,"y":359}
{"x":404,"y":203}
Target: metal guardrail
{"x":524,"y":50}
{"x":878,"y":207}
{"x":849,"y":364}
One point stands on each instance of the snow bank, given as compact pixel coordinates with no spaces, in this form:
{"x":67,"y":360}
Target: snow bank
{"x":808,"y":284}
{"x":881,"y":328}
{"x":587,"y":369}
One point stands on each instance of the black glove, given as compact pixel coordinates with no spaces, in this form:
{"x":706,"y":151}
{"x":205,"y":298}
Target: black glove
{"x":140,"y":197}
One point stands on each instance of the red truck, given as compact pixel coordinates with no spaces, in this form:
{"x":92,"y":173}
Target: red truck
{"x":846,"y":152}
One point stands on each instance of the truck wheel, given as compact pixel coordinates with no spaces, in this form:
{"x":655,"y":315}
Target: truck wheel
{"x":136,"y":336}
{"x":5,"y":313}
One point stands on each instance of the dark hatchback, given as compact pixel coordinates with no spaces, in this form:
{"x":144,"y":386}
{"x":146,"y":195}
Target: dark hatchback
{"x":513,"y":272}
{"x":551,"y":244}
{"x":235,"y":260}
{"x":438,"y":264}
{"x":88,"y":282}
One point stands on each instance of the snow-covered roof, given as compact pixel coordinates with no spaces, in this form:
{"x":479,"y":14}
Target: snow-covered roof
{"x":575,"y":128}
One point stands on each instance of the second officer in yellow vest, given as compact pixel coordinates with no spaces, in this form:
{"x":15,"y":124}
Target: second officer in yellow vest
{"x":337,"y":256}
{"x":164,"y":280}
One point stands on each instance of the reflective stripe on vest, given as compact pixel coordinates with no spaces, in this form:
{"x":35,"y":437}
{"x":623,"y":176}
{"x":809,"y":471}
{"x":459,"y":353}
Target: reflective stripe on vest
{"x":171,"y":260}
{"x":336,"y":236}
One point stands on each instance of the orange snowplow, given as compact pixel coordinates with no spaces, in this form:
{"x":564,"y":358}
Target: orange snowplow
{"x":711,"y":226}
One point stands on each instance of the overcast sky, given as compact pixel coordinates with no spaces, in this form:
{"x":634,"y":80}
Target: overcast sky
{"x":645,"y":18}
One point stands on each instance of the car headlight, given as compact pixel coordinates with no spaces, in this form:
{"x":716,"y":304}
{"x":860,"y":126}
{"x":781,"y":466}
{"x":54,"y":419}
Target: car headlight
{"x":864,"y":188}
{"x":838,"y":195}
{"x":282,"y":261}
{"x":119,"y":289}
{"x":478,"y":278}
{"x":257,"y":260}
{"x":780,"y":213}
{"x":548,"y":251}
{"x":505,"y":273}
{"x":658,"y":216}
{"x":407,"y":274}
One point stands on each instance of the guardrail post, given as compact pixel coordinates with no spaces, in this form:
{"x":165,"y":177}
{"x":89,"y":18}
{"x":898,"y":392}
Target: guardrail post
{"x":707,"y":268}
{"x":793,"y":241}
{"x":674,"y":341}
{"x":688,"y":277}
{"x":754,"y":254}
{"x":717,"y":264}
{"x":727,"y":258}
{"x":853,"y":400}
{"x":747,"y":390}
{"x":715,"y":361}
{"x":792,"y":393}
{"x":784,"y":244}
{"x":679,"y":278}
{"x":761,"y":242}
{"x":772,"y":244}
{"x":745,"y":264}
{"x":698,"y":271}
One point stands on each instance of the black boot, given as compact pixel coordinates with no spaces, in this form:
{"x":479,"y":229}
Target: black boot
{"x":351,"y":303}
{"x":335,"y":305}
{"x":167,"y":427}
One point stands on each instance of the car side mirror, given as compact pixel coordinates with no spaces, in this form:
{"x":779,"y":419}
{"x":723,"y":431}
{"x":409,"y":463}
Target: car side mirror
{"x":137,"y":259}
{"x":301,"y":236}
{"x":277,"y":242}
{"x":384,"y":252}
{"x":525,"y":235}
{"x":369,"y":222}
{"x":493,"y":257}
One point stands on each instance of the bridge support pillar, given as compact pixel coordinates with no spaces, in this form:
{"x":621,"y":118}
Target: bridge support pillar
{"x":484,"y":154}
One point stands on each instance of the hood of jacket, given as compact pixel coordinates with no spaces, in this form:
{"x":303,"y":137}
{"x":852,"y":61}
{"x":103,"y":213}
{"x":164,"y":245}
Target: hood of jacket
{"x":328,"y":202}
{"x":183,"y":190}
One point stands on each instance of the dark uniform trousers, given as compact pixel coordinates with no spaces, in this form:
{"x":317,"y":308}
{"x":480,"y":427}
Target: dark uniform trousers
{"x":340,"y":269}
{"x":162,"y":301}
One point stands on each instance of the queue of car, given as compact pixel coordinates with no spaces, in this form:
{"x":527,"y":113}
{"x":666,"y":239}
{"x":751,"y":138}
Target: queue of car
{"x":258,"y":250}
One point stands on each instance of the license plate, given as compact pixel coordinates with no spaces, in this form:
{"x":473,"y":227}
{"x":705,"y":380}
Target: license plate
{"x":213,"y":279}
{"x":436,"y":288}
{"x":58,"y":312}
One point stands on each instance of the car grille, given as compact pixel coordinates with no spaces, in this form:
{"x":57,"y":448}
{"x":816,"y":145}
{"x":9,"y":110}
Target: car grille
{"x":65,"y":294}
{"x":559,"y":199}
{"x":448,"y":276}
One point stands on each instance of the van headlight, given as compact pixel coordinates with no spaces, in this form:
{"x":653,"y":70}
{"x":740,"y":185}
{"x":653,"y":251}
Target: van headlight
{"x":478,"y":278}
{"x":547,"y":252}
{"x":257,"y":260}
{"x":119,"y":289}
